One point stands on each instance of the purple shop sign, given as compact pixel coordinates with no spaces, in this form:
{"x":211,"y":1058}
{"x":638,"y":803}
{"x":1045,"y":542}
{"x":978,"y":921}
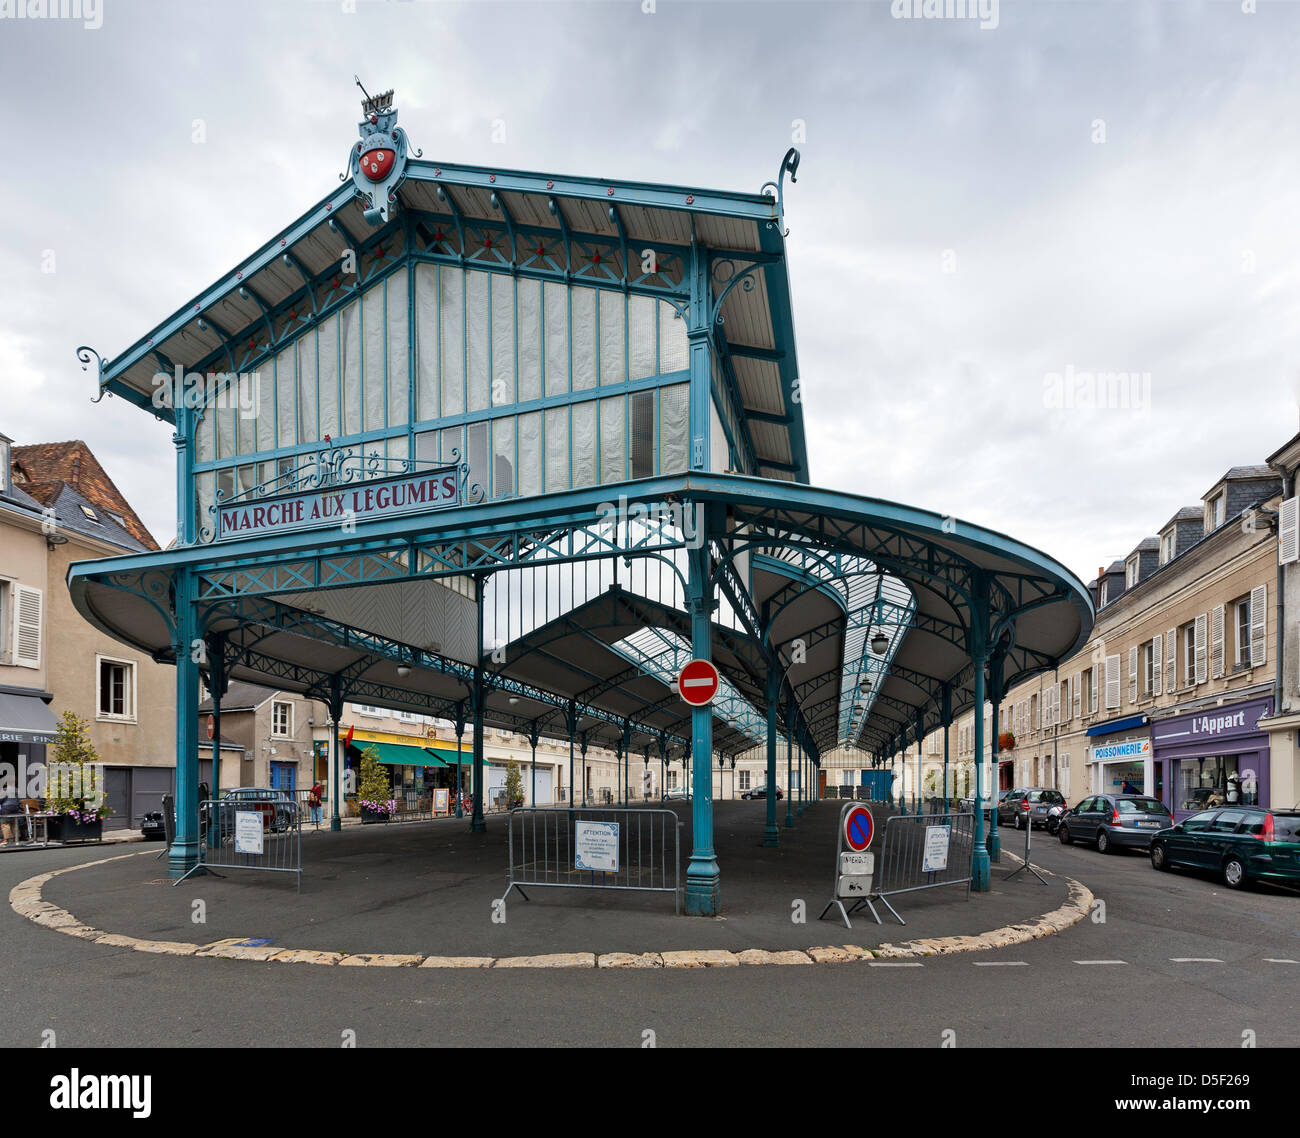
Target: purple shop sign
{"x":1211,"y":725}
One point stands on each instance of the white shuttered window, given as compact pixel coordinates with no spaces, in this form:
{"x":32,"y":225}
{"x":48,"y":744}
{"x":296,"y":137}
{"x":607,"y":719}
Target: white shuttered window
{"x":1200,"y":632}
{"x":1258,"y":624}
{"x":28,"y":605}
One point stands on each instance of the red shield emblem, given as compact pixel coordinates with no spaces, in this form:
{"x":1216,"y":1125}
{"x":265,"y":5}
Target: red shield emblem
{"x":376,"y":164}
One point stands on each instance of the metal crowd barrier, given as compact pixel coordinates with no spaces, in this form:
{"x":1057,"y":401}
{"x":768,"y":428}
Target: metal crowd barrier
{"x":636,"y":849}
{"x":915,"y":855}
{"x":262,"y":833}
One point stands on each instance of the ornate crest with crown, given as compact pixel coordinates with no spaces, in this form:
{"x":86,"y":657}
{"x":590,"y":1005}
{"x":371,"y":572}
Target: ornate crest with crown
{"x":378,"y":161}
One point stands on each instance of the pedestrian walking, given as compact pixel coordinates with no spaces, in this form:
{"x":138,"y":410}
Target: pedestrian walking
{"x":314,"y":797}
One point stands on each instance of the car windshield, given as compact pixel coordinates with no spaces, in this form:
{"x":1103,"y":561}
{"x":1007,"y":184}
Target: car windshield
{"x":1141,"y":806}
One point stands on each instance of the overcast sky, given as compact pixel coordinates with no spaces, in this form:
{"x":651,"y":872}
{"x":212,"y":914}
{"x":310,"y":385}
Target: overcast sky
{"x":1086,"y":187}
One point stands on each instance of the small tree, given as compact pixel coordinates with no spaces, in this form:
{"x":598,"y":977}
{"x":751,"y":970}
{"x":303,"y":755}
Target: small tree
{"x":75,"y":780}
{"x":375,"y":790}
{"x":514,"y":786}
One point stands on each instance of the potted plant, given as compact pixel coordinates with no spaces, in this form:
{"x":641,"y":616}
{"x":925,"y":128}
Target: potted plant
{"x":374,"y":791}
{"x":1006,"y":741}
{"x":76,"y":793}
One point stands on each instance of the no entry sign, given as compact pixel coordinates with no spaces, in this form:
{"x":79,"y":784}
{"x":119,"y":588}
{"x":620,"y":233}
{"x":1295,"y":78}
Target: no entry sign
{"x":858,"y":829}
{"x":698,"y":683}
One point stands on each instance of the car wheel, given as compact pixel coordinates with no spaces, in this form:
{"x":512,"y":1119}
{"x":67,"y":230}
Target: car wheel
{"x":1063,"y":832}
{"x":1104,"y":844}
{"x":1234,"y":873}
{"x":1020,"y":822}
{"x":1158,"y":859}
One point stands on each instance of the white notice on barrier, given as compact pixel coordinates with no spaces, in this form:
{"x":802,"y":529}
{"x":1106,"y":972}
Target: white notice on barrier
{"x":935,"y":857}
{"x":596,"y":846}
{"x":248,"y":832}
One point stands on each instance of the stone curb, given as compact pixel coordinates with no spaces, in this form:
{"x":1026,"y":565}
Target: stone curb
{"x":25,"y":900}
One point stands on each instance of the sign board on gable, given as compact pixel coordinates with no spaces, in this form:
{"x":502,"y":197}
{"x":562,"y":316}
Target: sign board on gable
{"x":335,"y":505}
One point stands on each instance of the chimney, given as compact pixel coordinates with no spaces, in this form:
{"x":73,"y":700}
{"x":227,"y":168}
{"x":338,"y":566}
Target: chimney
{"x":76,"y":471}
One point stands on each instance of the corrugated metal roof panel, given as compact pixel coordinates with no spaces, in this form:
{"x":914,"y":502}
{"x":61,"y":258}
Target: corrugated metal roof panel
{"x":760,"y":384}
{"x":771,"y":442}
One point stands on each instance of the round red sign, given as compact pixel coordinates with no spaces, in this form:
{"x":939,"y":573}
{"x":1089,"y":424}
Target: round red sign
{"x":858,"y":828}
{"x":211,"y":725}
{"x":698,"y":683}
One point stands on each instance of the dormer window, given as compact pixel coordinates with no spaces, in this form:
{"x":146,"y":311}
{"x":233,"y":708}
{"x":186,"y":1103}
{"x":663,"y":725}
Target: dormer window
{"x":90,"y":514}
{"x":1214,"y":512}
{"x":4,"y":466}
{"x":1167,"y":545}
{"x":1131,"y":573}
{"x":1104,"y":587}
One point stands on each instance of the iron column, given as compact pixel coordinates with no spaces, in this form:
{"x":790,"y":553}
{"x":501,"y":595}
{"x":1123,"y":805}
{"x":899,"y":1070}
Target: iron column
{"x":977,"y":639}
{"x":336,"y":754}
{"x":789,"y":766}
{"x":184,"y":854}
{"x":995,"y":694}
{"x":703,"y":888}
{"x":477,"y":825}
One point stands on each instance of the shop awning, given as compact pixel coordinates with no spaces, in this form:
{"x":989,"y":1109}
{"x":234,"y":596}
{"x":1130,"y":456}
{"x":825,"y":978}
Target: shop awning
{"x":399,"y":755}
{"x":25,"y":719}
{"x":1118,"y":725}
{"x":449,"y":757}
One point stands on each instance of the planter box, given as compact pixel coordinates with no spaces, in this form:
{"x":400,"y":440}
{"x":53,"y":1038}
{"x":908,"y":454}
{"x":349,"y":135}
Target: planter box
{"x":65,"y":829}
{"x":368,"y":816}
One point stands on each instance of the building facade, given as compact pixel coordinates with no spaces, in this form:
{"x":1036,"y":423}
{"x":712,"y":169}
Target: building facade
{"x":58,"y":506}
{"x":1174,"y":695}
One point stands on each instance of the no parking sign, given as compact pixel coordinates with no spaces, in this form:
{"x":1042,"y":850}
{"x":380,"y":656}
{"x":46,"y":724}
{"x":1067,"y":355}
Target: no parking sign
{"x":858,"y":829}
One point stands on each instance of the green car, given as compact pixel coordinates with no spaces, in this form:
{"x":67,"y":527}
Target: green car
{"x":1242,"y":843}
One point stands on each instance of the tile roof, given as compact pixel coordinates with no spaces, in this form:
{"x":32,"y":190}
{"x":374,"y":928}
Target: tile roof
{"x":42,"y":468}
{"x":1242,"y":472}
{"x":69,"y":510}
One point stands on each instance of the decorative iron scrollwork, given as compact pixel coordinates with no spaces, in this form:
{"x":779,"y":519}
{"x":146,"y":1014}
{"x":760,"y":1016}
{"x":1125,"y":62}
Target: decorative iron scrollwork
{"x":84,"y":353}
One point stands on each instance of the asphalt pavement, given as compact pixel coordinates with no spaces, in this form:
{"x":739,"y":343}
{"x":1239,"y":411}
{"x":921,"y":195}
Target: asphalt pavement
{"x":1168,"y":960}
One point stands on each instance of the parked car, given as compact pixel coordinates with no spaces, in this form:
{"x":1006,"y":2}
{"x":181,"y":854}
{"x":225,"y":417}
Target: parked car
{"x":967,"y":805}
{"x":677,"y":793}
{"x":1240,"y":843}
{"x":278,"y":808}
{"x":152,"y":827}
{"x":761,"y":792}
{"x":1113,"y":821}
{"x":1018,"y":806}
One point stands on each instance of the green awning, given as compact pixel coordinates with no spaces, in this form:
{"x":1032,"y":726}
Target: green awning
{"x":399,"y":755}
{"x":450,"y":757}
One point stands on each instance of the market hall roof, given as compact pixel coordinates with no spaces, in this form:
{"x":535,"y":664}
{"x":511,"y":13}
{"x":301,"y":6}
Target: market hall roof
{"x":933,"y":557}
{"x":583,"y":231}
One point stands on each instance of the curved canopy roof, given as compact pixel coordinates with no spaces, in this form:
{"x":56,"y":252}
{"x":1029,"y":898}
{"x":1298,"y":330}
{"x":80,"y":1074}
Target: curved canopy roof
{"x":823,"y":568}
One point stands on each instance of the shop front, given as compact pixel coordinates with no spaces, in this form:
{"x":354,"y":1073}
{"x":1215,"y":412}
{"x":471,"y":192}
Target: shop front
{"x":1121,"y":759}
{"x":1214,"y":757}
{"x":27,"y":727}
